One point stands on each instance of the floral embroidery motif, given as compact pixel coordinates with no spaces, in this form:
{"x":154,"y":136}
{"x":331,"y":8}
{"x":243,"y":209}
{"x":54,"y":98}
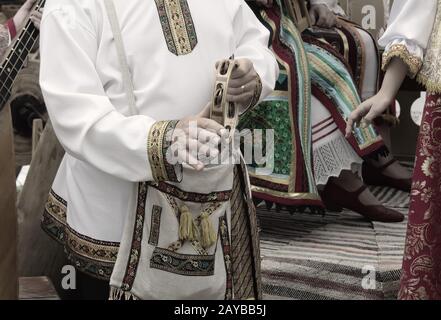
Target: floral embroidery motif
{"x":421,"y":278}
{"x":414,"y":63}
{"x":177,"y":25}
{"x":182,"y":264}
{"x":155,"y":225}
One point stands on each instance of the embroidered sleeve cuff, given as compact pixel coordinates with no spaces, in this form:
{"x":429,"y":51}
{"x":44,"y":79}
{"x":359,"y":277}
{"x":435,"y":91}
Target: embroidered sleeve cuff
{"x":159,"y":143}
{"x":414,"y":61}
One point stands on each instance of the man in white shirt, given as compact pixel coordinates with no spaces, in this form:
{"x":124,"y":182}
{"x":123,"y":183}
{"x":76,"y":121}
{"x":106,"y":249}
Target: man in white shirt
{"x":172,"y":48}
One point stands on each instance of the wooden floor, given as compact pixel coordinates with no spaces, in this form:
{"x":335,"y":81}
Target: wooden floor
{"x":37,"y":288}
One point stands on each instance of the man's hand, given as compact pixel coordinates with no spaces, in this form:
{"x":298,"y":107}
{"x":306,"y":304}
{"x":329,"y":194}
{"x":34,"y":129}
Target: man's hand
{"x":24,"y":12}
{"x":367,"y":112}
{"x":322,"y":16}
{"x":36,"y":17}
{"x":243,"y":83}
{"x":197,"y":137}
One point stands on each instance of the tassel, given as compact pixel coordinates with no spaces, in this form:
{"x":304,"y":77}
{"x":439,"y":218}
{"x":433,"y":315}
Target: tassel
{"x":186,"y":225}
{"x":117,"y":294}
{"x":208,"y":236}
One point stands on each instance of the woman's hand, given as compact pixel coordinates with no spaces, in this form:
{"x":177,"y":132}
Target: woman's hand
{"x":378,"y":104}
{"x":322,"y":16}
{"x":243,"y":84}
{"x":368,"y":111}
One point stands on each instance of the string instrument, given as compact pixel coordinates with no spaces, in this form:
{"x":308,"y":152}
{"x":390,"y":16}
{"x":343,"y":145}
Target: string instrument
{"x":223,"y":111}
{"x":298,"y":12}
{"x":16,"y":57}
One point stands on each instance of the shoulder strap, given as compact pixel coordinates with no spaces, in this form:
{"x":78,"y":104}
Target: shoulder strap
{"x":122,"y":57}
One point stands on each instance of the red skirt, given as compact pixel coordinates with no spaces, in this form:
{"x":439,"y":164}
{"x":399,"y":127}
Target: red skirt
{"x":421,"y":278}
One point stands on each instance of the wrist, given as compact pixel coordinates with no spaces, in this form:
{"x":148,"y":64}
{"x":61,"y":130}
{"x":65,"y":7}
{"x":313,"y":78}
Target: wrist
{"x":387,"y":94}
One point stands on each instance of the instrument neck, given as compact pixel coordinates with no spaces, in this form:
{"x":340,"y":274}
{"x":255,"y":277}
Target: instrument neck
{"x":16,"y":58}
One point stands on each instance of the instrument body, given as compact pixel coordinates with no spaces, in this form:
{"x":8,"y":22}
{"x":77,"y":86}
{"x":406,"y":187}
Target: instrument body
{"x":223,"y":111}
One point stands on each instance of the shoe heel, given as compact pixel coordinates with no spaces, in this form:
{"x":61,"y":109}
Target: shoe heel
{"x":329,"y":204}
{"x":333,"y":207}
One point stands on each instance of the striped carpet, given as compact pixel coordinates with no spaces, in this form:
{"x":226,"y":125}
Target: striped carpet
{"x":310,"y":257}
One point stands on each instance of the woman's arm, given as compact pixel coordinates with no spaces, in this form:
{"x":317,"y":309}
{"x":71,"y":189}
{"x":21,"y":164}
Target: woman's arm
{"x":405,"y":41}
{"x":374,"y":107}
{"x":408,"y":33}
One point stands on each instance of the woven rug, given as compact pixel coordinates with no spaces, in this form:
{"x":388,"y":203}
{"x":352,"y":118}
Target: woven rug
{"x":336,"y":256}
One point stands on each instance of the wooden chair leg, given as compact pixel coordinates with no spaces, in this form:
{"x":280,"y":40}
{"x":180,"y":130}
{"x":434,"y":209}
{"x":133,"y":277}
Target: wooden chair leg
{"x":8,"y":213}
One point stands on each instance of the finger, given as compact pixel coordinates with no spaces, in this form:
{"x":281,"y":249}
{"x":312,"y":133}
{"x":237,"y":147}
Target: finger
{"x":239,"y":82}
{"x":37,"y":15}
{"x":238,"y":91}
{"x":321,"y":22}
{"x":349,"y":127}
{"x":206,"y":136}
{"x":353,"y":119}
{"x":242,"y":98}
{"x":210,"y":125}
{"x":36,"y":22}
{"x":206,"y":152}
{"x":189,"y":159}
{"x":244,"y":67}
{"x":248,"y":87}
{"x":372,"y":115}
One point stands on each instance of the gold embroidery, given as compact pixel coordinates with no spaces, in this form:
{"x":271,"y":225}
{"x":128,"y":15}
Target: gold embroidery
{"x":430,"y":75}
{"x":159,"y":141}
{"x":91,"y":256}
{"x":177,"y":25}
{"x":154,"y":149}
{"x":413,"y":62}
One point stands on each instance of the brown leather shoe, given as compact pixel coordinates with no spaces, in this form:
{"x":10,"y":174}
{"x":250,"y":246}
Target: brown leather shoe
{"x":375,"y":177}
{"x":336,"y":198}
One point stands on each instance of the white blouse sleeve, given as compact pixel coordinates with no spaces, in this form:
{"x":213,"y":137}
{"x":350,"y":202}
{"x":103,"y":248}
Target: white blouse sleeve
{"x":86,"y":123}
{"x":252,"y":42}
{"x":332,"y":5}
{"x":408,"y":32}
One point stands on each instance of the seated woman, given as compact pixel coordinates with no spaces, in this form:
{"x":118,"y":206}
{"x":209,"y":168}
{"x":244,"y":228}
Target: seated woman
{"x":359,"y":50}
{"x":9,"y":30}
{"x":310,"y":65}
